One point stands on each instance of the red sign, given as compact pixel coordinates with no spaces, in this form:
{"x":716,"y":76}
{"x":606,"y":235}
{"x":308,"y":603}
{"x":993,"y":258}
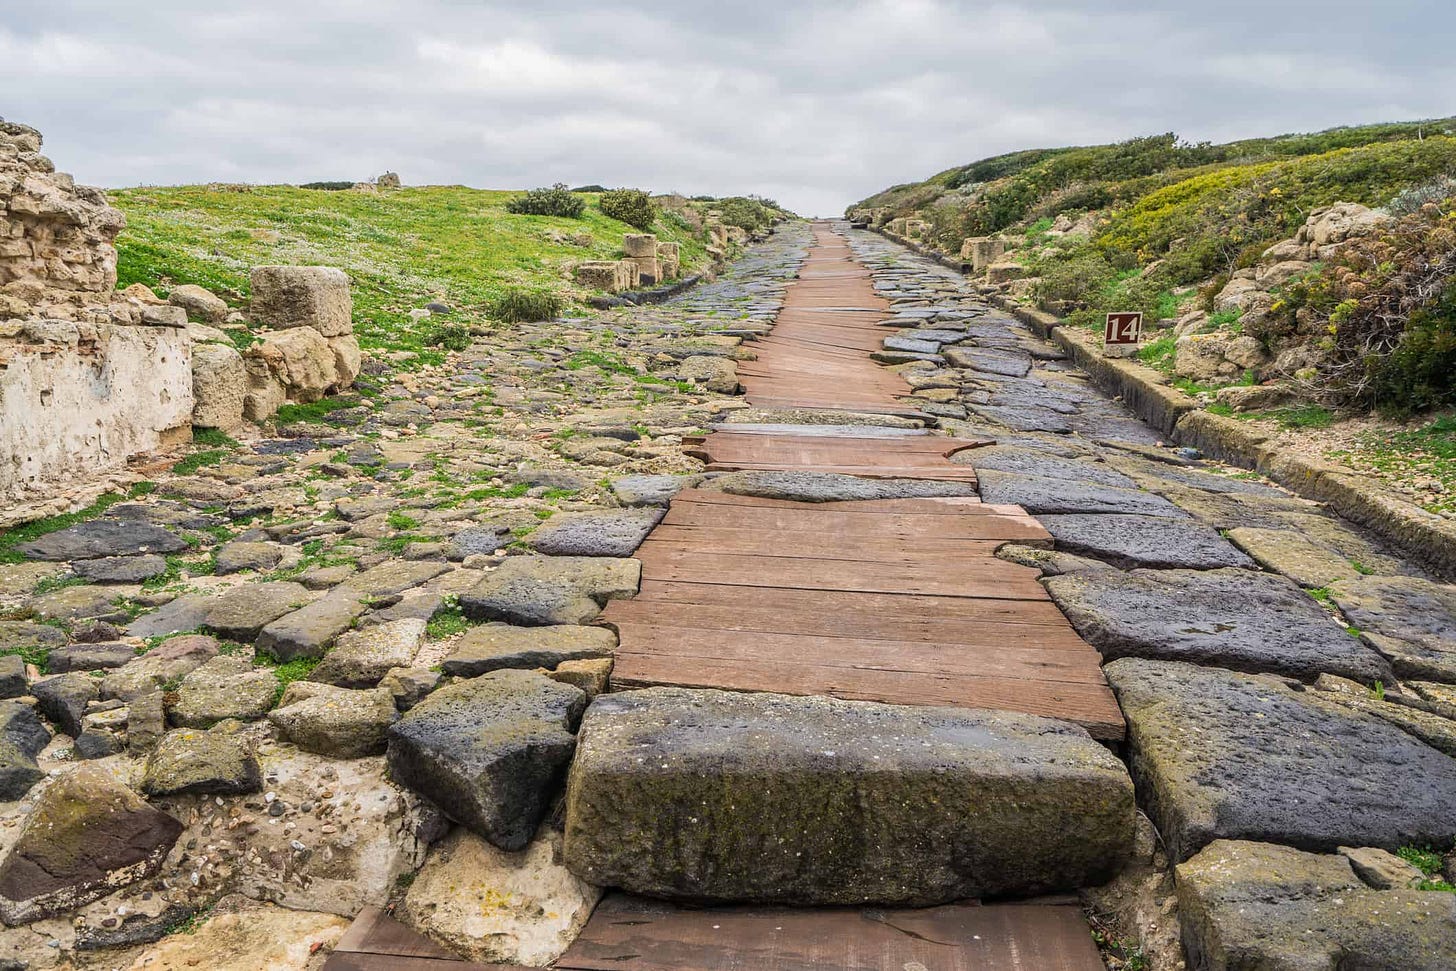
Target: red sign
{"x":1123,"y":329}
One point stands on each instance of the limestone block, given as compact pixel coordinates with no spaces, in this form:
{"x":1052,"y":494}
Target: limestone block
{"x":631,"y":273}
{"x":598,"y":275}
{"x":219,"y":385}
{"x":199,"y":302}
{"x":303,"y":296}
{"x":649,"y":271}
{"x":1004,"y":271}
{"x":301,"y":360}
{"x":347,"y":360}
{"x":640,"y":244}
{"x":982,"y":251}
{"x":265,"y":394}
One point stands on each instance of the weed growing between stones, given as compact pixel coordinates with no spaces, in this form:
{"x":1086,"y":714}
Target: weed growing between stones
{"x":516,"y":306}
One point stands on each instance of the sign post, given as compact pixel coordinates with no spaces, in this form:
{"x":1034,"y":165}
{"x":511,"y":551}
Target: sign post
{"x":1121,"y":335}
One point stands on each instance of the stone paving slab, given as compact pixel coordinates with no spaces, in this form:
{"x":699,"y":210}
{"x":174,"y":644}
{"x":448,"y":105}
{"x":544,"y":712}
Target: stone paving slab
{"x":1221,"y":755}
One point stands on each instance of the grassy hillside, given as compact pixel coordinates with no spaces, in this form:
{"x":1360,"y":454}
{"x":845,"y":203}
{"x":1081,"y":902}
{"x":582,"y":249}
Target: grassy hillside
{"x":1164,"y":223}
{"x":401,"y":247}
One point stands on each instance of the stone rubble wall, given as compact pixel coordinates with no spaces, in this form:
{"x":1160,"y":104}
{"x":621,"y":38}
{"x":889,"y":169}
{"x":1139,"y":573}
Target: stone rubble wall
{"x":88,"y":377}
{"x":56,"y":252}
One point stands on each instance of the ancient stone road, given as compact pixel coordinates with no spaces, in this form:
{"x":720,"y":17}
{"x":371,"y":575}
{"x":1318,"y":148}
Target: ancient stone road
{"x":433,"y":563}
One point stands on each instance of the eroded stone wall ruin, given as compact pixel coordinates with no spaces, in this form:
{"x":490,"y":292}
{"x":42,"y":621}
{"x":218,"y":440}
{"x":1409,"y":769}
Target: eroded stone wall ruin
{"x":88,"y":377}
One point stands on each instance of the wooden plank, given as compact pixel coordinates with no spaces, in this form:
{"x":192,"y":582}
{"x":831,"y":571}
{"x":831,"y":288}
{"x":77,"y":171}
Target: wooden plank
{"x":862,"y":653}
{"x":1090,"y":705}
{"x":815,"y":544}
{"x":891,"y":524}
{"x":906,"y":607}
{"x":375,"y":932}
{"x":1003,"y":631}
{"x":779,"y":572}
{"x":631,"y":934}
{"x":354,"y":961}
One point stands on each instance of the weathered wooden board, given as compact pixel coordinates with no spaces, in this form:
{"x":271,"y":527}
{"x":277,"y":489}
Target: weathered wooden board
{"x":629,"y":934}
{"x":633,"y":934}
{"x":900,"y":601}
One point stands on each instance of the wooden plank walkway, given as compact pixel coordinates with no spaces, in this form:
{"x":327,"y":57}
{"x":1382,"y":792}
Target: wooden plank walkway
{"x":877,"y":456}
{"x":900,"y":601}
{"x":631,"y":934}
{"x":817,"y":355}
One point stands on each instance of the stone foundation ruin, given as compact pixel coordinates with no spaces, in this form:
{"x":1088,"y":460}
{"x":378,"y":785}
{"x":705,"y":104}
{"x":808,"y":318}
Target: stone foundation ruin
{"x":90,"y":377}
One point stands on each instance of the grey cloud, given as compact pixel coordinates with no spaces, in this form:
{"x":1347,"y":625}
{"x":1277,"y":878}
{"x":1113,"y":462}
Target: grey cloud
{"x":816,"y":103}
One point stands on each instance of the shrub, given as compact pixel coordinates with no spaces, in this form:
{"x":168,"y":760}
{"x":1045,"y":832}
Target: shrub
{"x":555,"y":201}
{"x":328,"y":186}
{"x":590,"y":188}
{"x":526,"y":305}
{"x":1385,"y":312}
{"x":452,"y":337}
{"x":1074,"y":279}
{"x":631,"y":206}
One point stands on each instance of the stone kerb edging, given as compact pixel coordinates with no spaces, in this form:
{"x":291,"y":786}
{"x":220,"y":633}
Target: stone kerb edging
{"x":1358,"y":498}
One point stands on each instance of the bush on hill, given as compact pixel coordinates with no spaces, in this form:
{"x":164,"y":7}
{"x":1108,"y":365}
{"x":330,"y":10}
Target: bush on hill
{"x":555,"y":201}
{"x":631,"y":206}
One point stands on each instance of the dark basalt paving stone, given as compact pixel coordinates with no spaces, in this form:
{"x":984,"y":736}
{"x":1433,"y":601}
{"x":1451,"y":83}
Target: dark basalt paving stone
{"x":1232,"y":618}
{"x":1033,"y":461}
{"x":1039,"y":494}
{"x":1258,"y":905}
{"x":121,"y":569}
{"x":102,"y":537}
{"x":833,"y":487}
{"x":1144,"y":541}
{"x":764,"y":797}
{"x":1222,"y":755}
{"x":493,"y":647}
{"x":1152,"y":474}
{"x":22,"y":738}
{"x":87,"y":836}
{"x":490,"y":751}
{"x":1409,"y":620}
{"x":1025,"y":419}
{"x":90,"y":657}
{"x":610,"y":532}
{"x":1011,"y":363}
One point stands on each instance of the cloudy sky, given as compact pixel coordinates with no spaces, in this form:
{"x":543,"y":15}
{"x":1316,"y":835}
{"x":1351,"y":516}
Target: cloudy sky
{"x":816,"y":103}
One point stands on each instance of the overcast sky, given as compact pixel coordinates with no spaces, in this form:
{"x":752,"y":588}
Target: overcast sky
{"x":816,"y":104}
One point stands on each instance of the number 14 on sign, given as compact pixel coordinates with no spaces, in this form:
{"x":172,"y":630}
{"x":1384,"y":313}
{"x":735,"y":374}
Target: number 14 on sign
{"x":1121,"y":336}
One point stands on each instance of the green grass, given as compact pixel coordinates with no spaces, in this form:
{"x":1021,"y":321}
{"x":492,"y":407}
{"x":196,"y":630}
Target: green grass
{"x":200,"y":460}
{"x":448,"y":621}
{"x":1427,"y":451}
{"x":315,"y":411}
{"x":1428,"y":861}
{"x":401,"y":248}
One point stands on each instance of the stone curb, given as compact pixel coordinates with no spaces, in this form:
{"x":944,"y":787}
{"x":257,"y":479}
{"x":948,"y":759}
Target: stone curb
{"x":636,"y":298}
{"x":1358,"y":498}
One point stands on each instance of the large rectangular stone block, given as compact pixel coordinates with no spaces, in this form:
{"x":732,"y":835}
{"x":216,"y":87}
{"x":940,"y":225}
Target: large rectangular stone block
{"x":759,"y":797}
{"x":598,"y":275}
{"x":649,"y":270}
{"x":302,"y":296}
{"x":982,"y":251}
{"x":639,"y":244}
